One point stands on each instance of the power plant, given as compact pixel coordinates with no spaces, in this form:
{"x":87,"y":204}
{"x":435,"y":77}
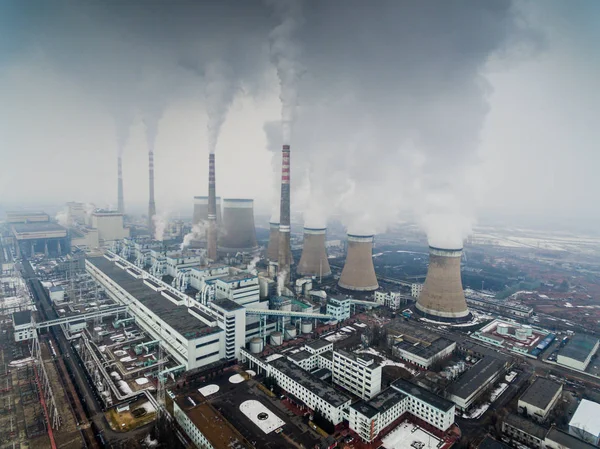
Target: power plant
{"x":237,"y":234}
{"x":151,"y":203}
{"x":442,"y":297}
{"x":284,"y":258}
{"x":273,"y":247}
{"x":313,"y":261}
{"x":359,"y":273}
{"x":121,"y":202}
{"x":201,"y":210}
{"x":211,"y":232}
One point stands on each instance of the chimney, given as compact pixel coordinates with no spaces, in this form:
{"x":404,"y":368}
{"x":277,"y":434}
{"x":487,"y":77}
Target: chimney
{"x":121,"y":202}
{"x":201,"y":210}
{"x":273,"y":247}
{"x":238,"y":233}
{"x":313,"y":261}
{"x":442,"y":297}
{"x":284,"y":258}
{"x":359,"y":273}
{"x":151,"y":203}
{"x":211,"y":233}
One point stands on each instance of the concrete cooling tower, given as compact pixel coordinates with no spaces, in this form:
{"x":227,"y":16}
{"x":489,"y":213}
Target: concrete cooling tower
{"x":359,"y":273}
{"x":313,"y":261}
{"x":442,"y":297}
{"x":237,"y":232}
{"x":273,"y":247}
{"x":201,"y":210}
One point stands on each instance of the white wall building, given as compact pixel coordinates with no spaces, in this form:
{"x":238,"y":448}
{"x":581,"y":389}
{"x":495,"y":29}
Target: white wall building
{"x":241,"y":287}
{"x":585,"y":423}
{"x":393,"y":300}
{"x":415,"y":290}
{"x":357,"y":373}
{"x":539,"y":399}
{"x":424,"y":354}
{"x":57,"y":294}
{"x":578,"y":352}
{"x":339,"y":308}
{"x":109,"y":225}
{"x":22,"y":326}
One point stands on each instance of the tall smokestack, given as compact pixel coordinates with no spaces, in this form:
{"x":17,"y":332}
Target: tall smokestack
{"x":151,"y":203}
{"x":313,"y":261}
{"x":442,"y":297}
{"x":359,"y":273}
{"x":273,"y":247}
{"x":121,"y":202}
{"x":285,"y":251}
{"x":238,"y":231}
{"x":211,"y":233}
{"x":200,"y":213}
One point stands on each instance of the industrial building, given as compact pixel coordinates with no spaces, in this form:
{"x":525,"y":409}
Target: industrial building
{"x":415,"y":290}
{"x":442,"y":297}
{"x":424,"y":354}
{"x":585,"y":423}
{"x":358,"y":273}
{"x":524,"y":431}
{"x":110,"y":226}
{"x":40,"y":237}
{"x":578,"y":352}
{"x":358,"y":373}
{"x":539,"y":399}
{"x":22,"y":325}
{"x":339,"y":307}
{"x":13,"y":217}
{"x":503,"y":307}
{"x":393,"y":300}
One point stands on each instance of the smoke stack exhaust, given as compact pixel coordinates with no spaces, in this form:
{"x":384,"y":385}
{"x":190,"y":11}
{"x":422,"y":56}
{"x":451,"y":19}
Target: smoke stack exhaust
{"x":359,"y":273}
{"x":273,"y":247}
{"x":120,"y":200}
{"x":211,"y":237}
{"x":151,"y":203}
{"x":313,"y":261}
{"x":238,"y":233}
{"x":442,"y":297}
{"x":284,"y":259}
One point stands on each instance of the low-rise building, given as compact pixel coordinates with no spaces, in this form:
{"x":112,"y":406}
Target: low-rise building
{"x":358,"y":373}
{"x":393,"y":300}
{"x":578,"y":352}
{"x":465,"y":390}
{"x":415,"y":290}
{"x":339,"y":307}
{"x":524,"y":431}
{"x":22,"y":325}
{"x":424,"y":354}
{"x":57,"y":293}
{"x":557,"y":439}
{"x":585,"y":423}
{"x":539,"y":399}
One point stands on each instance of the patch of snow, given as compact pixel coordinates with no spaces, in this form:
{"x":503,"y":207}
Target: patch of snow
{"x":22,"y":362}
{"x":127,"y":359}
{"x":148,"y":407}
{"x":208,"y":390}
{"x":236,"y":379}
{"x":273,"y":357}
{"x":510,"y":376}
{"x":115,"y":375}
{"x":124,"y":387}
{"x":336,"y":337}
{"x":360,"y":324}
{"x":403,"y":437}
{"x":141,"y":381}
{"x":267,"y":422}
{"x":498,"y":391}
{"x":477,"y":412}
{"x":568,"y":304}
{"x":251,"y":373}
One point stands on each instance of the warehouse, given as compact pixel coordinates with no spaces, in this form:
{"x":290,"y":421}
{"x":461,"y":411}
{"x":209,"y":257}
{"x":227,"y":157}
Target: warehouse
{"x":424,"y":354}
{"x":585,"y":423}
{"x":469,"y":386}
{"x":578,"y":352}
{"x":539,"y":399}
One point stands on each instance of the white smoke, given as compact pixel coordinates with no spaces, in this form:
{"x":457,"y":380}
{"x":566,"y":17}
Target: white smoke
{"x":285,"y":53}
{"x":198,"y":231}
{"x":160,"y":226}
{"x":251,"y":268}
{"x":62,"y":217}
{"x":281,"y":277}
{"x":220,"y":89}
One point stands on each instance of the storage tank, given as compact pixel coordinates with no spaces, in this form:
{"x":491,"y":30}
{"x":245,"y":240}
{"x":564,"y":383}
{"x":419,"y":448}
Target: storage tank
{"x":528,"y":330}
{"x":502,"y":329}
{"x":276,"y":338}
{"x":307,"y":327}
{"x":256,"y":345}
{"x":521,"y":334}
{"x":290,"y":331}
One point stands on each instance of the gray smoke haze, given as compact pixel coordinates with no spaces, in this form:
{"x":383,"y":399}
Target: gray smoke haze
{"x":220,"y":89}
{"x":405,"y":109}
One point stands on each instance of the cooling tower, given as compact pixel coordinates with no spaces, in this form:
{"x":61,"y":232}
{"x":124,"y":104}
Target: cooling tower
{"x":359,"y":273}
{"x":313,"y":261}
{"x":121,"y":202}
{"x":211,"y":231}
{"x":201,"y":210}
{"x":237,"y":232}
{"x":284,"y":259}
{"x":273,"y":247}
{"x":442,"y":296}
{"x":151,"y":203}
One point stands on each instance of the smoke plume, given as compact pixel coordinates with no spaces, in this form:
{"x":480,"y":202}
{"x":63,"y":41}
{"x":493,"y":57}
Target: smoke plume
{"x":160,"y":226}
{"x":220,"y":89}
{"x":62,"y":218}
{"x":251,"y":268}
{"x":198,"y":231}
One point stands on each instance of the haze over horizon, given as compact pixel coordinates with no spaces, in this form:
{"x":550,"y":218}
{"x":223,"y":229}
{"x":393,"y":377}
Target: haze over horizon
{"x":448,"y":114}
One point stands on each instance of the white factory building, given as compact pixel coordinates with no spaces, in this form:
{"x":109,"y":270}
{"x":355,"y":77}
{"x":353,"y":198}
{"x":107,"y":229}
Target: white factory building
{"x":338,"y":307}
{"x":23,"y":330}
{"x":358,"y":373}
{"x":109,"y":225}
{"x":194,"y":334}
{"x":539,"y":399}
{"x":578,"y":352}
{"x":415,"y":290}
{"x":393,"y":300}
{"x":585,"y":423}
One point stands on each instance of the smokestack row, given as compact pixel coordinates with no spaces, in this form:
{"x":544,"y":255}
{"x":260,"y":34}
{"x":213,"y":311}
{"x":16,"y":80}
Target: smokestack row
{"x":201,"y":210}
{"x":238,"y":233}
{"x":314,"y":261}
{"x":151,"y":203}
{"x":211,"y":233}
{"x":273,"y":247}
{"x":284,"y":258}
{"x":442,"y":297}
{"x":121,"y":202}
{"x":358,"y":273}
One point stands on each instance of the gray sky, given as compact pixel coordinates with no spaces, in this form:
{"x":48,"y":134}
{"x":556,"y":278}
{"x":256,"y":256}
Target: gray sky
{"x":439,"y":112}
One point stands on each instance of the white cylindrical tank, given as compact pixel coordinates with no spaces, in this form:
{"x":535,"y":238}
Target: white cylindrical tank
{"x":528,"y":330}
{"x":502,"y":329}
{"x":306,"y":327}
{"x":276,"y":338}
{"x":290,"y":331}
{"x":521,"y":334}
{"x":256,"y":345}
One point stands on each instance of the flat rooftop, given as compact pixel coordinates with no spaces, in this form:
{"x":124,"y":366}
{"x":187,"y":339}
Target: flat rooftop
{"x":27,"y":228}
{"x":227,"y":304}
{"x":373,"y":361}
{"x":489,"y":443}
{"x":541,"y":392}
{"x":318,"y":344}
{"x":301,"y":355}
{"x":476,"y":376}
{"x":322,"y":389}
{"x":22,"y":317}
{"x":386,"y":399}
{"x":579,"y":347}
{"x":567,"y":440}
{"x":586,"y":417}
{"x":422,"y":394}
{"x":529,"y":427}
{"x":423,"y":350}
{"x":364,"y":409}
{"x":178,"y":317}
{"x":217,"y":430}
{"x":237,"y":277}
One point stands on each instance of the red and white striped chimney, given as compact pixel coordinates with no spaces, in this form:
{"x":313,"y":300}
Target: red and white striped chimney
{"x":285,"y":252}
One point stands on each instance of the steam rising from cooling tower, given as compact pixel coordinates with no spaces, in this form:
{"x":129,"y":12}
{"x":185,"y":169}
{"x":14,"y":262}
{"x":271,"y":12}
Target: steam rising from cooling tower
{"x":313,"y":261}
{"x":442,"y":297}
{"x":359,"y":273}
{"x":238,"y":233}
{"x":211,"y":232}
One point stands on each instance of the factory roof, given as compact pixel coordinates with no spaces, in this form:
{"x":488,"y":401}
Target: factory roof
{"x":322,"y":373}
{"x":422,"y":394}
{"x":56,"y":288}
{"x":204,"y":315}
{"x":586,"y":417}
{"x":529,"y":427}
{"x":541,"y":392}
{"x":364,"y":409}
{"x":227,"y":304}
{"x":386,"y":399}
{"x":301,"y":355}
{"x":177,"y":317}
{"x":327,"y":354}
{"x":568,"y":441}
{"x":425,"y":351}
{"x":310,"y":382}
{"x":25,"y":228}
{"x":215,"y":428}
{"x":318,"y":344}
{"x":363,"y":359}
{"x":579,"y":347}
{"x":470,"y":382}
{"x":489,"y":443}
{"x":237,"y":277}
{"x":22,"y":317}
